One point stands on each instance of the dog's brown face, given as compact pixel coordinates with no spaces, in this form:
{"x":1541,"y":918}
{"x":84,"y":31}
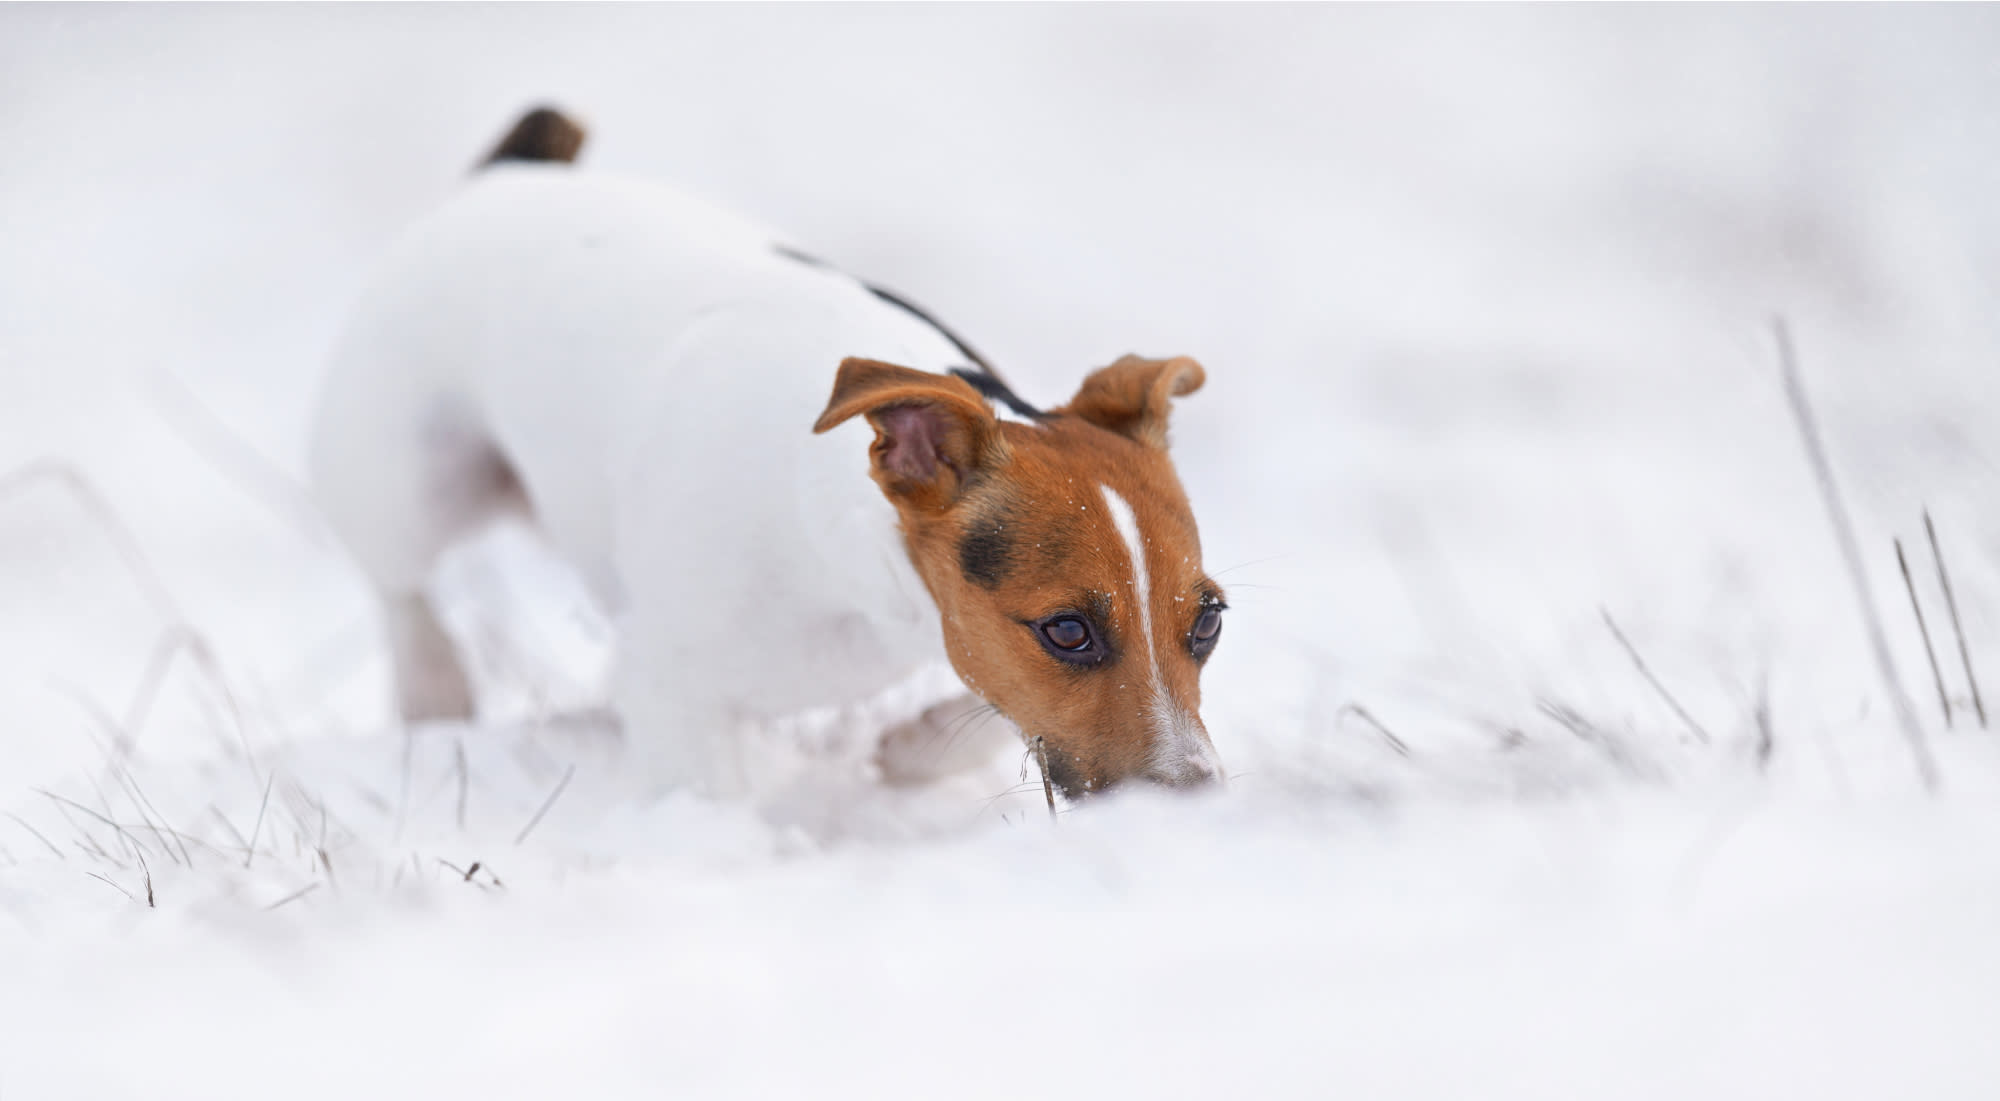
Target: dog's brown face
{"x":1063,"y":557}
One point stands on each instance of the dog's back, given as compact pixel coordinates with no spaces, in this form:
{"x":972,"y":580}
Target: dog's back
{"x":637,"y":372}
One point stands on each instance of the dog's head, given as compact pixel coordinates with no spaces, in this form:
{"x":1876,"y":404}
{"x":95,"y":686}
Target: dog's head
{"x":1062,"y":556}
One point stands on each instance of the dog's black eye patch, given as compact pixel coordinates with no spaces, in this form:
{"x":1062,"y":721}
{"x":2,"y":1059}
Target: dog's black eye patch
{"x":986,"y":553}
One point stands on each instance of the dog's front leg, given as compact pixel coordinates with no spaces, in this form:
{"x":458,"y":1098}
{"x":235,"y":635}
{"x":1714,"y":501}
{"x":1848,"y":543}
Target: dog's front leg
{"x":961,"y":733}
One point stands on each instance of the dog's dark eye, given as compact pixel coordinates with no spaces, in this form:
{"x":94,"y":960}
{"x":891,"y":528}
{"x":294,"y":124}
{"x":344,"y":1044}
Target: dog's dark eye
{"x":1069,"y":637}
{"x":1068,"y":633}
{"x":1207,"y":628}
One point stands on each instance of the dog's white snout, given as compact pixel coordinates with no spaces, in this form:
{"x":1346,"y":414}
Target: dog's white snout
{"x":1201,"y":769}
{"x":1183,"y":756}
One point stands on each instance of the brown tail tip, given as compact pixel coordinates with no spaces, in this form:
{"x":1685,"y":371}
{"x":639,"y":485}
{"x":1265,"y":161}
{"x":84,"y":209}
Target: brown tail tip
{"x":543,"y":134}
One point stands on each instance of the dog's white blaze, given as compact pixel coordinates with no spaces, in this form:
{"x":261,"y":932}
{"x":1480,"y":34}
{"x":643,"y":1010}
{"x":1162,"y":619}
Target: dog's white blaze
{"x":1127,"y":524}
{"x":1180,"y":750}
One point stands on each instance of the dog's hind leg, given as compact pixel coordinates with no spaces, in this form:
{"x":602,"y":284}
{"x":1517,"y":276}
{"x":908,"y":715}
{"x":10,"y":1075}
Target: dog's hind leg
{"x":430,"y":679}
{"x":401,"y":485}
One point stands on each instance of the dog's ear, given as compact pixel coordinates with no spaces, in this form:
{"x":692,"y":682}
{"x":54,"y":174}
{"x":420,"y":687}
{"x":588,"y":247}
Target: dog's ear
{"x":1132,"y":396}
{"x":932,"y":432}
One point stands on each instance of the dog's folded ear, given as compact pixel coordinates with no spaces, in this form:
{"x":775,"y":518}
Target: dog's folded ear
{"x":932,"y":432}
{"x":1132,"y":396}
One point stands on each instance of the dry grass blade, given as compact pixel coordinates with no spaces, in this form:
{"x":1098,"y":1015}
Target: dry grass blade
{"x":1951,"y":605}
{"x":1401,"y":747}
{"x":128,"y":784}
{"x":180,"y":639}
{"x":71,"y":481}
{"x":1048,"y":787}
{"x":23,"y":823}
{"x":1850,"y":549}
{"x":1923,"y":629}
{"x":1646,"y":671}
{"x":250,"y":850}
{"x":470,"y":874}
{"x":546,"y":804}
{"x":125,"y":835}
{"x":148,"y":812}
{"x":1572,"y":720}
{"x":1767,"y":741}
{"x":261,"y":479}
{"x":242,"y":842}
{"x":129,"y":895}
{"x":294,"y":896}
{"x":180,"y":636}
{"x":464,"y":778}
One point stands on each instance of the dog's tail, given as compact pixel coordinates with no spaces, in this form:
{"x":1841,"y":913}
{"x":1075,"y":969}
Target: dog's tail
{"x":543,"y":135}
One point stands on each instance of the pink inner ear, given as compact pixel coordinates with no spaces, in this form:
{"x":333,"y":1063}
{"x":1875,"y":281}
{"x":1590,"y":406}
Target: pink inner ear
{"x":914,"y":438}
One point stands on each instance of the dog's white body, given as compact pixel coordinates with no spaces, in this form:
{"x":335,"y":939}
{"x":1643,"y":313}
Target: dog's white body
{"x":648,"y":370}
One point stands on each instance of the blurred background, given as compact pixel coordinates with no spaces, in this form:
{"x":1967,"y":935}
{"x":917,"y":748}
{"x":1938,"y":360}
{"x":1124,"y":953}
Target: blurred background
{"x":1485,"y":296}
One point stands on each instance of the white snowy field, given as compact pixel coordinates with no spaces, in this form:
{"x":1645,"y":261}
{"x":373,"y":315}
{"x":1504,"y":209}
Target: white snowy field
{"x":1485,"y":299}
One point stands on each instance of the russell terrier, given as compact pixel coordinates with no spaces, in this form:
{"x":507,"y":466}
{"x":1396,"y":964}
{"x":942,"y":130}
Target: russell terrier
{"x":641,"y":377}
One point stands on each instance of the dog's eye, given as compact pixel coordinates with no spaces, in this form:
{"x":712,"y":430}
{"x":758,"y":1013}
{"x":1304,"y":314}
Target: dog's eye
{"x":1069,"y":637}
{"x":1068,"y":633}
{"x":1207,"y":628}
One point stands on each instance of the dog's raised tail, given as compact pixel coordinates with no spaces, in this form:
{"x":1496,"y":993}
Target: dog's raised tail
{"x":543,"y":135}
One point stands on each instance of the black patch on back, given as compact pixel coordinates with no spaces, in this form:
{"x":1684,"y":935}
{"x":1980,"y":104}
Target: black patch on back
{"x":914,"y":310}
{"x":995,"y":390}
{"x":544,"y":135}
{"x":986,"y":554}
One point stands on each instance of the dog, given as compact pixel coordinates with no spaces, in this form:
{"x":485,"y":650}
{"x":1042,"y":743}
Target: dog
{"x":640,"y":376}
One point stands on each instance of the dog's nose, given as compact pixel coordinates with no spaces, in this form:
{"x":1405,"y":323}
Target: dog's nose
{"x":1198,"y":769}
{"x":1203,"y":770}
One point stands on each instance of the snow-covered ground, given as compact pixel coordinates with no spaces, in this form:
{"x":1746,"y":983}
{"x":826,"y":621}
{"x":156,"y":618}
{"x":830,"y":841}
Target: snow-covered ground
{"x":1484,"y":295}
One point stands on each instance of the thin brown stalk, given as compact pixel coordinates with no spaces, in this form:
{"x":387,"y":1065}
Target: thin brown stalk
{"x":1951,"y":604}
{"x":1850,"y":549}
{"x":546,"y":804}
{"x":465,"y":875}
{"x":1646,"y":671}
{"x":1923,"y":629}
{"x":1048,"y":787}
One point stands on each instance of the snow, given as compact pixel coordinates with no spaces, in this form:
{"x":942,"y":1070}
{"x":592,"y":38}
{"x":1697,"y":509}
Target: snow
{"x":1483,"y":296}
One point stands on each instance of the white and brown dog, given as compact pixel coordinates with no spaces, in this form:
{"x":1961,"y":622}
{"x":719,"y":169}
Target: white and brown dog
{"x":641,"y":375}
